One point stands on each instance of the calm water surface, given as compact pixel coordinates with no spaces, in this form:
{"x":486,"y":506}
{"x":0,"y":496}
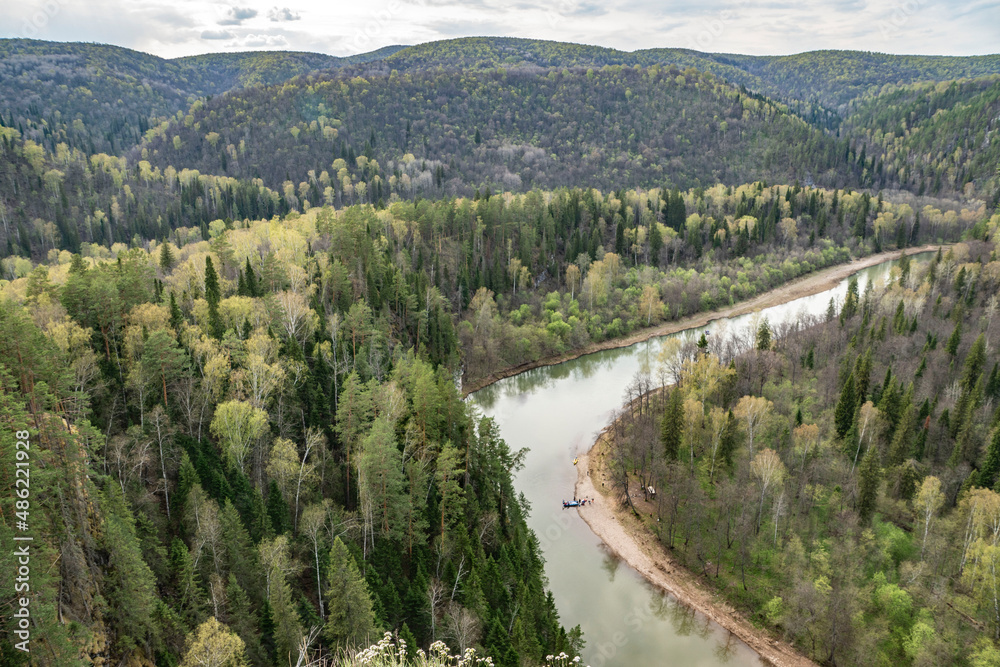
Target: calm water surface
{"x":557,"y":412}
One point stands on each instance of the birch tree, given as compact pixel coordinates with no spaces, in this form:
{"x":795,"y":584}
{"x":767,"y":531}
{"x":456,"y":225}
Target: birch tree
{"x":769,"y":471}
{"x":753,"y":410}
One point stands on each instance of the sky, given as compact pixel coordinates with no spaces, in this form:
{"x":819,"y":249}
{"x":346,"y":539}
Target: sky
{"x":173,"y":28}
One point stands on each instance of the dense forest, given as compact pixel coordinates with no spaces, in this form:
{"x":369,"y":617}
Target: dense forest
{"x":235,"y":430}
{"x":241,"y":295}
{"x":448,"y":132}
{"x":931,"y":137}
{"x":93,"y":133}
{"x":102,"y":98}
{"x":835,"y":477}
{"x":277,"y":403}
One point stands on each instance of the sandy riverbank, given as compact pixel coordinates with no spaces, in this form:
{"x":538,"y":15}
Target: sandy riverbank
{"x":806,"y":285}
{"x":631,"y":541}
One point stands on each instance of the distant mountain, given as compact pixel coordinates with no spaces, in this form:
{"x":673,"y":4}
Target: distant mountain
{"x":831,"y":78}
{"x":117,"y":94}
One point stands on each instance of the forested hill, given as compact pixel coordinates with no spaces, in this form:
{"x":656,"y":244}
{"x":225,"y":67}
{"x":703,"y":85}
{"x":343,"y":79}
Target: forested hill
{"x":933,"y":137}
{"x":118,"y":93}
{"x":830,"y":77}
{"x":98,"y":97}
{"x":450,"y":132}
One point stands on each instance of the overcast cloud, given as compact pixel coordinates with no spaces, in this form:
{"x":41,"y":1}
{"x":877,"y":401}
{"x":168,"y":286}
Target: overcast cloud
{"x":172,"y":28}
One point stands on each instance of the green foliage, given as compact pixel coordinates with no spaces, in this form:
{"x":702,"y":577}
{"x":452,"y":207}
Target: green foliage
{"x":846,"y":406}
{"x":672,"y":425}
{"x":350,"y":617}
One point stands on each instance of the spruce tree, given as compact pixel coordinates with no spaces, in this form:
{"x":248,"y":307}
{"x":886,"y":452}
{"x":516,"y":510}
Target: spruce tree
{"x":843,"y":414}
{"x":655,"y":243}
{"x":350,"y":617}
{"x":951,"y":347}
{"x":250,"y":278}
{"x":870,"y":477}
{"x":213,"y":295}
{"x":729,"y":439}
{"x":176,"y":316}
{"x":764,"y":336}
{"x":672,"y":425}
{"x":167,"y":259}
{"x":987,"y":476}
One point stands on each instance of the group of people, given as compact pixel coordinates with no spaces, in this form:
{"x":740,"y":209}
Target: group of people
{"x":578,"y":503}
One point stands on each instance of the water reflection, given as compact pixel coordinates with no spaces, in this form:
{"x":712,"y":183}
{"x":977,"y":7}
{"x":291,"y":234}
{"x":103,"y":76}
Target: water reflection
{"x":610,"y":564}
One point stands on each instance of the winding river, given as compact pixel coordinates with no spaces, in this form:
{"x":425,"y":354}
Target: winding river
{"x":557,"y":412}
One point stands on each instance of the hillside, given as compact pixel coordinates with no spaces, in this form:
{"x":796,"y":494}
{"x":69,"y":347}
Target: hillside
{"x":830,"y":78}
{"x":116,"y":94}
{"x":444,"y":132}
{"x":932,"y":137}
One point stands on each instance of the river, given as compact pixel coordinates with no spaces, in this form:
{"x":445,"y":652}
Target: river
{"x":557,"y":413}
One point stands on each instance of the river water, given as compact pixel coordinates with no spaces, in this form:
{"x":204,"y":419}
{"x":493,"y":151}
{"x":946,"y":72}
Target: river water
{"x":557,"y":412}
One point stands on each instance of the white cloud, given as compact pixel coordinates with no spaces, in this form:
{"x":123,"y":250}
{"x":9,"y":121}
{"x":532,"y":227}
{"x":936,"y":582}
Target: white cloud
{"x":262,"y":40}
{"x":283,"y":14}
{"x":216,"y":34}
{"x":237,"y":15}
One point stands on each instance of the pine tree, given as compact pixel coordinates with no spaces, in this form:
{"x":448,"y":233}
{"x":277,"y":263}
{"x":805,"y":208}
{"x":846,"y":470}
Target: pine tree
{"x":843,"y":415}
{"x":672,"y":425}
{"x":350,"y":617}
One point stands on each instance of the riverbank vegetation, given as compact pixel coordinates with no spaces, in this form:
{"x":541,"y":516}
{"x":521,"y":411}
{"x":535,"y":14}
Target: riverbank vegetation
{"x":835,"y":477}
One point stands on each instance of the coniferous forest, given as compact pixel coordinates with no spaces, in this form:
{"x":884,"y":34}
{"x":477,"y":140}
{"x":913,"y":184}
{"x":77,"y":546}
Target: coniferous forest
{"x":242,"y":297}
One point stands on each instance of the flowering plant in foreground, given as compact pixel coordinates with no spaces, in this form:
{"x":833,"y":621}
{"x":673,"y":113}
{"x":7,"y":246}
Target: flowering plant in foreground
{"x":389,"y":652}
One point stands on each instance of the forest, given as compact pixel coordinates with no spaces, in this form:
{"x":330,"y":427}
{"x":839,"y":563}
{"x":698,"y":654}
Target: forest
{"x":209,"y":446}
{"x":243,"y":296}
{"x":836,"y":477}
{"x":254,"y":135}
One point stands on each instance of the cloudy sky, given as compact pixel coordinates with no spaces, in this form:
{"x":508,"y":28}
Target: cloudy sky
{"x":172,"y":28}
